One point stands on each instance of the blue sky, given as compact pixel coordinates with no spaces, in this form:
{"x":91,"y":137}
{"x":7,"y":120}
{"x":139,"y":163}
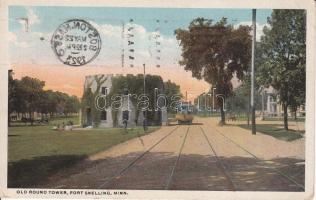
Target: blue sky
{"x":169,"y":18}
{"x":30,"y":51}
{"x":43,"y":21}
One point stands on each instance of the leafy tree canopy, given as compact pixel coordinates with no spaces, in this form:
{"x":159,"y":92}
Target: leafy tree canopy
{"x":282,"y":61}
{"x":215,"y":52}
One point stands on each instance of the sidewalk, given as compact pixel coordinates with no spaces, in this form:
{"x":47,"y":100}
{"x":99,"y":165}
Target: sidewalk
{"x":263,"y":146}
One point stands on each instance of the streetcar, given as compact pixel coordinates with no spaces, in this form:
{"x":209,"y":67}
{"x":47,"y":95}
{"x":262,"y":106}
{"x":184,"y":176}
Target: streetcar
{"x":185,"y":113}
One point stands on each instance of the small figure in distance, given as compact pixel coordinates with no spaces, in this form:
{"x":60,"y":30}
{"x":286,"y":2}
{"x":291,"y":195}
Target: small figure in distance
{"x":145,"y":125}
{"x":125,"y":125}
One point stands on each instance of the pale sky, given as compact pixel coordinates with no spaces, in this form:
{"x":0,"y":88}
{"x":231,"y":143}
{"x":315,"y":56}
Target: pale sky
{"x":32,"y":55}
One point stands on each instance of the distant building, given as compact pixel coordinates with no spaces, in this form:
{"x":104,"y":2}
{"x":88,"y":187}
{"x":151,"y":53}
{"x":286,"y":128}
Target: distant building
{"x":273,"y":108}
{"x":127,"y":111}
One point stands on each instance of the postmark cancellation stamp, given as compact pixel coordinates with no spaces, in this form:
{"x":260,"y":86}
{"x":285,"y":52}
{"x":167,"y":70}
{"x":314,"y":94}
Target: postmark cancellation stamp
{"x":76,"y":42}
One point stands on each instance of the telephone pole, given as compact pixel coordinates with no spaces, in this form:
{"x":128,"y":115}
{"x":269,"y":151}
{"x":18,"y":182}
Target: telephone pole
{"x":144,"y":81}
{"x":145,"y":111}
{"x":253,"y":111}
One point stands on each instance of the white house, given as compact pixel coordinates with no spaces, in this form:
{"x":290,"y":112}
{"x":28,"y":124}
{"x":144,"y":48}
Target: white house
{"x":273,"y":108}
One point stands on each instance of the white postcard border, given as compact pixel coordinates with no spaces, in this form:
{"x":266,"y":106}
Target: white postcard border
{"x":309,"y":5}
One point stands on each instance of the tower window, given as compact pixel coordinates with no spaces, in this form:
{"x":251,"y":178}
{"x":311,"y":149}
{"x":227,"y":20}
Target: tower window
{"x":104,"y":90}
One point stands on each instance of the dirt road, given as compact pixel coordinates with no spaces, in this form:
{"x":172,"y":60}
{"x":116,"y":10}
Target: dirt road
{"x":201,"y":156}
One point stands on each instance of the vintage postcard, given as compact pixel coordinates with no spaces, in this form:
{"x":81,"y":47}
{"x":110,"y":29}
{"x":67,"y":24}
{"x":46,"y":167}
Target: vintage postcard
{"x":157,"y":100}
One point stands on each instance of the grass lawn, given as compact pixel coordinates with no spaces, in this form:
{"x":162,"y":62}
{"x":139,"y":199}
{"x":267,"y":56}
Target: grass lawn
{"x":35,"y":152}
{"x":242,"y":118}
{"x":52,"y":122}
{"x":60,"y":120}
{"x":290,"y":119}
{"x":202,"y":115}
{"x":272,"y":130}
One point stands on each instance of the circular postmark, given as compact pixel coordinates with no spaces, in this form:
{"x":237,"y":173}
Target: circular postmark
{"x":76,"y":42}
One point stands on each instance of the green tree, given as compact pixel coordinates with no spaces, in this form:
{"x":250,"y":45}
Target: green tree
{"x":203,"y":102}
{"x":283,"y":58}
{"x":52,"y":102}
{"x":170,"y":90}
{"x":43,"y":106}
{"x":27,"y":96}
{"x":215,"y":53}
{"x":12,"y":96}
{"x":30,"y":90}
{"x":58,"y":102}
{"x":72,"y":104}
{"x":238,"y":102}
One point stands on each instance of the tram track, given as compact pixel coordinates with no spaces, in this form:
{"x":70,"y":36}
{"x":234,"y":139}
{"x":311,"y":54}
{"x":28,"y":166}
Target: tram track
{"x":177,"y":161}
{"x":132,"y":163}
{"x":198,"y":157}
{"x":287,"y":177}
{"x":220,"y":164}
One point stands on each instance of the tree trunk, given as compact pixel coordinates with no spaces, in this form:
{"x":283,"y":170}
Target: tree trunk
{"x":248,"y":112}
{"x":222,"y":122}
{"x":31,"y":118}
{"x":285,"y":116}
{"x":9,"y":119}
{"x":295,"y":114}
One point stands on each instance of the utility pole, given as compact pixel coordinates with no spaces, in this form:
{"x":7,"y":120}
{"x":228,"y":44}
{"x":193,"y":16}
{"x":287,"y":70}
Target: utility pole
{"x":213,"y":98}
{"x":156,"y":105}
{"x":186,"y":96}
{"x":253,"y":111}
{"x":156,"y":99}
{"x":205,"y":104}
{"x":262,"y":103}
{"x":123,"y":35}
{"x":144,"y":79}
{"x":145,"y":111}
{"x":186,"y":100}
